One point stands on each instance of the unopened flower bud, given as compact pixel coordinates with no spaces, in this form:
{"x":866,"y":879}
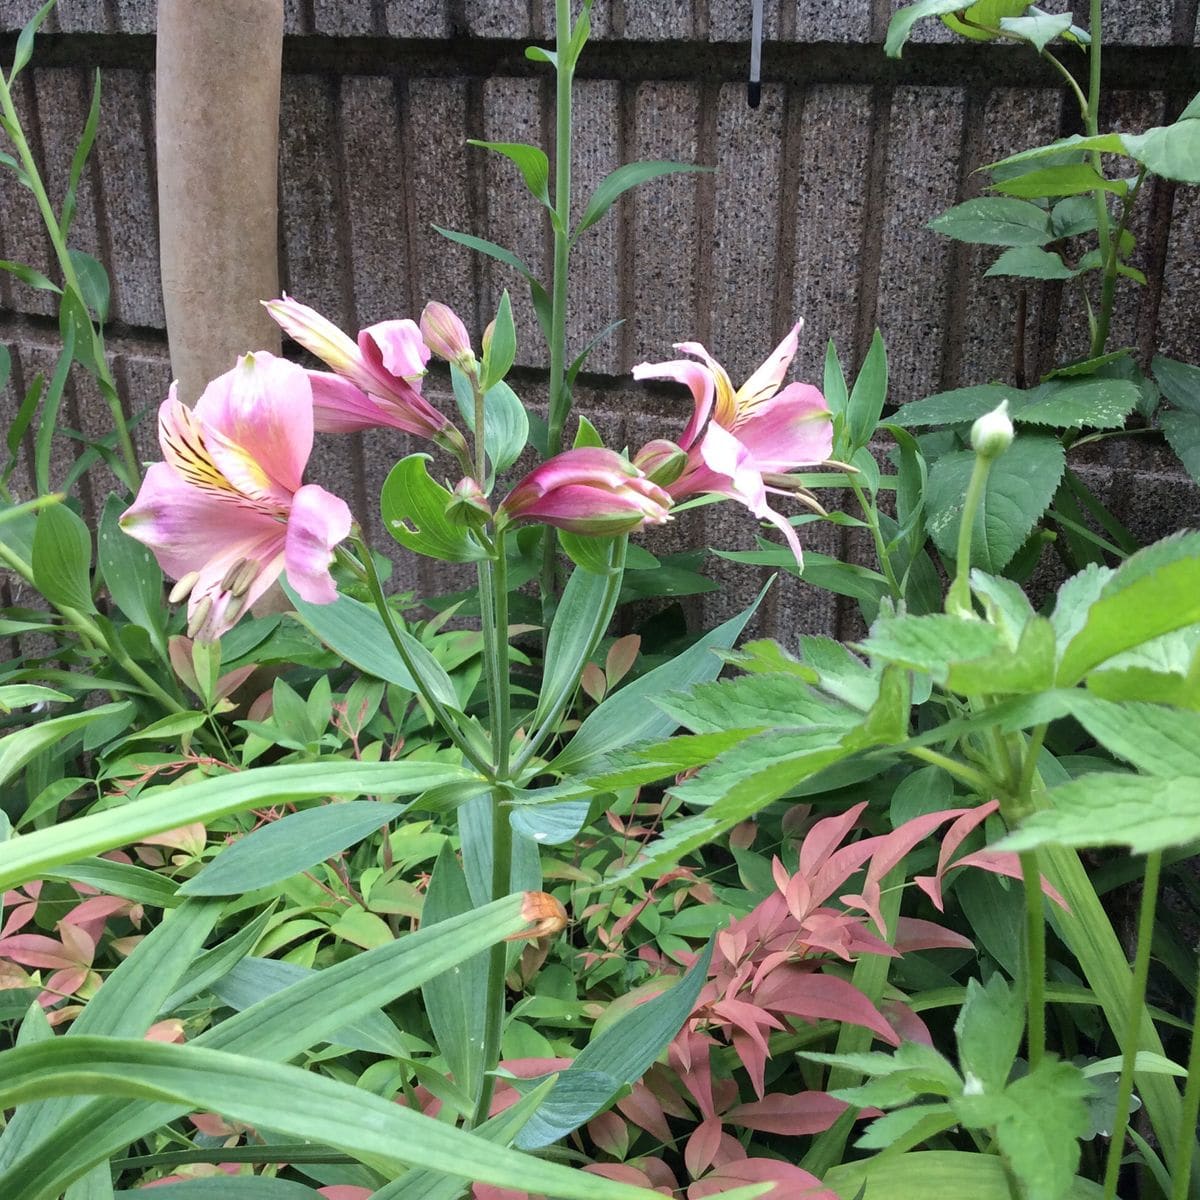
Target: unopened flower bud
{"x":468,"y":506}
{"x":661,"y":461}
{"x":446,"y":336}
{"x":992,"y":434}
{"x":486,"y":341}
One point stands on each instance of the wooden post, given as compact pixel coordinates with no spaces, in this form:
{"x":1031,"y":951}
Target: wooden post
{"x":218,"y":77}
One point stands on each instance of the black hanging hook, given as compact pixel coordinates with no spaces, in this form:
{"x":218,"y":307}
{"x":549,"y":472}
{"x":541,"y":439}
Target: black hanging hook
{"x":754,"y":88}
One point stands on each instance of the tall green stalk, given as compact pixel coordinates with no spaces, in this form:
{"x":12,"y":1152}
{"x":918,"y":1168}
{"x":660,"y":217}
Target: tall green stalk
{"x":1091,"y":116}
{"x":1184,"y":1159}
{"x":560,"y":400}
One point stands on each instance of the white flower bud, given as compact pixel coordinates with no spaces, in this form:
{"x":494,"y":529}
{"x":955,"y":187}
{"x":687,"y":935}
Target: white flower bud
{"x":992,"y":434}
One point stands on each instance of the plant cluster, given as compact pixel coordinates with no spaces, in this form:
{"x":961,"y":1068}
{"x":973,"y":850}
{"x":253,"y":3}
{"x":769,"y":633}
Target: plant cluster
{"x":359,"y":902}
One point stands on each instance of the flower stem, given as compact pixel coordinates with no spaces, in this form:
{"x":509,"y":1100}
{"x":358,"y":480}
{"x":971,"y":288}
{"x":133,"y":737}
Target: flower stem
{"x":560,"y":399}
{"x":1185,"y":1142}
{"x":958,"y":599}
{"x":441,"y":713}
{"x":976,"y":780}
{"x":1035,"y":960}
{"x":1137,"y":996}
{"x":1091,"y":120}
{"x":71,"y":279}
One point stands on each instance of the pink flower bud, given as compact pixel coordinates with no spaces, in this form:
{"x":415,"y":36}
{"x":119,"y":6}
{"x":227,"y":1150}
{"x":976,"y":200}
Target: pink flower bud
{"x":589,"y":490}
{"x":446,"y":335}
{"x":662,"y":461}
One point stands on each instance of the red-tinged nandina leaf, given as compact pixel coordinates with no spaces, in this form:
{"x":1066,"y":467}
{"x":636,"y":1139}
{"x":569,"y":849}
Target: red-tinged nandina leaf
{"x":610,"y":1133}
{"x":622,"y":654}
{"x":345,"y":1191}
{"x":64,"y":983}
{"x":731,"y":944}
{"x":955,"y":835}
{"x":753,"y":1055}
{"x":170,"y":1030}
{"x":643,"y":1109}
{"x":906,"y":1023}
{"x":825,"y":836}
{"x":741,"y":837}
{"x":914,"y":934}
{"x":36,"y":950}
{"x":660,"y":1175}
{"x":592,"y":681}
{"x":665,"y":1088}
{"x":688,"y":1054}
{"x":791,"y":1183}
{"x":622,"y":1173}
{"x":702,"y":1146}
{"x":485,"y":1191}
{"x":1000,"y":862}
{"x":232,"y":680}
{"x":809,"y":1112}
{"x":179,"y":650}
{"x":798,"y":895}
{"x":821,"y":997}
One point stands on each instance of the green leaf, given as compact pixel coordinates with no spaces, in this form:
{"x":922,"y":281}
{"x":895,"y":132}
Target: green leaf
{"x":954,"y":407}
{"x":409,"y":495}
{"x":78,"y":161}
{"x":1142,"y":813}
{"x":279,"y":1027}
{"x":627,"y":716}
{"x":131,"y":574}
{"x":1078,"y":404}
{"x":1182,"y":431}
{"x":126,"y":1006}
{"x":905,"y":18}
{"x":1037,"y":30}
{"x":985,"y":13}
{"x":62,"y":559}
{"x":868,"y":395}
{"x":995,"y":221}
{"x":120,"y":879}
{"x":501,"y":351}
{"x":1106,"y":143}
{"x":586,"y":434}
{"x":988,"y":1029}
{"x":755,"y":701}
{"x":931,"y":643}
{"x":17,"y":749}
{"x":940,"y":1174}
{"x":94,"y":288}
{"x":28,"y":275}
{"x":22,"y":695}
{"x":1030,"y":262}
{"x":1020,"y":487}
{"x":290,"y":845}
{"x":1179,"y":382}
{"x":456,"y":1002}
{"x":613,"y":186}
{"x":593,"y":554}
{"x":356,"y":632}
{"x":1169,"y":151}
{"x":505,"y":421}
{"x":24,"y":50}
{"x":533,"y":164}
{"x":1029,"y":669}
{"x":1157,"y":740}
{"x":233,"y":1187}
{"x":617,"y":1058}
{"x":5,"y":372}
{"x":1069,"y":179}
{"x":292,"y":1101}
{"x":1153,"y":592}
{"x":159,"y":809}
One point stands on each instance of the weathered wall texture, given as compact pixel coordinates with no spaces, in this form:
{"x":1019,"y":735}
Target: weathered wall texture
{"x":817,"y":206}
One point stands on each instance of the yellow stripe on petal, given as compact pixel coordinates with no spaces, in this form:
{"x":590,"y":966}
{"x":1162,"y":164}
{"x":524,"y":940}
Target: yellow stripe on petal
{"x":725,"y":408}
{"x":183,"y":448}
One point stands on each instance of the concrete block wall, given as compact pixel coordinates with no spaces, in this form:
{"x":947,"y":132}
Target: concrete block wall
{"x":816,"y":207}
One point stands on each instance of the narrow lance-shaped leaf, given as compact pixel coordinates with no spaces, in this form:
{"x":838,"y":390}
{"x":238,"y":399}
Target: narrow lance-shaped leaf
{"x":613,"y":186}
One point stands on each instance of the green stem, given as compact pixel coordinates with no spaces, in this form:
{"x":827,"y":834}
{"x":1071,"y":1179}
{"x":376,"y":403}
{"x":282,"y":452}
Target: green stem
{"x":1181,"y":1166}
{"x":1108,"y":286}
{"x":561,"y":222}
{"x":1071,"y":81}
{"x":1035,"y":959}
{"x":977,"y":781}
{"x":440,"y":711}
{"x":91,"y":633}
{"x":1091,"y":118}
{"x":497,"y":960}
{"x":501,"y":717}
{"x":70,"y":278}
{"x":885,"y":559}
{"x":958,"y":599}
{"x":1137,"y":997}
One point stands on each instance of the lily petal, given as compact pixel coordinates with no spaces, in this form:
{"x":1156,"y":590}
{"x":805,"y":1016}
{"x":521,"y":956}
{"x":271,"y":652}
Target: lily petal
{"x":765,"y":382}
{"x":699,"y":381}
{"x":318,"y":521}
{"x":726,"y":404}
{"x":340,"y":406}
{"x":788,"y":430}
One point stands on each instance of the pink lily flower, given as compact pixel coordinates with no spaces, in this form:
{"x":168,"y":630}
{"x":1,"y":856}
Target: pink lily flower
{"x":375,"y":382}
{"x":589,"y":490}
{"x":756,"y":432}
{"x":226,"y":513}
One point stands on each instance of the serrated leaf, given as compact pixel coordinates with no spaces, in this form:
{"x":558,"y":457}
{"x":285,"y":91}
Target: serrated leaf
{"x":1031,"y":262}
{"x":1068,"y":179}
{"x":1182,"y":431}
{"x":62,"y":559}
{"x":1157,"y":740}
{"x":1027,"y":669}
{"x":754,"y":700}
{"x":1142,"y":813}
{"x":932,"y":642}
{"x":1178,"y":381}
{"x":1079,"y":404}
{"x":953,"y":407}
{"x":1169,"y":151}
{"x":995,"y":221}
{"x":613,"y":186}
{"x":1020,"y":487}
{"x":988,"y":1030}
